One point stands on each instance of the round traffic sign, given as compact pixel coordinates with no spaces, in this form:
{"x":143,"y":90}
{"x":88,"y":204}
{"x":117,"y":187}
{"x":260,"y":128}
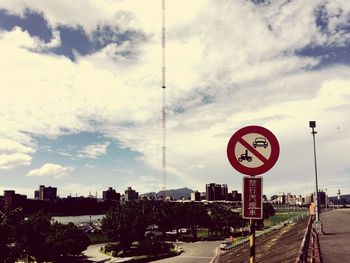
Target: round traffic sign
{"x":253,"y":150}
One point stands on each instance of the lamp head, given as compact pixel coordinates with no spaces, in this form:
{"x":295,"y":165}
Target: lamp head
{"x":312,"y":124}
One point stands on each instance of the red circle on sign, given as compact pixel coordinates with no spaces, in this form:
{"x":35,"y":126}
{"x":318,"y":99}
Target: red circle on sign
{"x":267,"y":164}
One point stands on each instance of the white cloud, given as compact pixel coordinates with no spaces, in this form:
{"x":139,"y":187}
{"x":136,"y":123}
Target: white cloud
{"x":8,"y":146}
{"x":8,"y":161}
{"x":127,"y":14}
{"x":13,"y":154}
{"x":90,"y":166}
{"x":93,"y":151}
{"x":124,"y":171}
{"x":230,"y":64}
{"x":51,"y":169}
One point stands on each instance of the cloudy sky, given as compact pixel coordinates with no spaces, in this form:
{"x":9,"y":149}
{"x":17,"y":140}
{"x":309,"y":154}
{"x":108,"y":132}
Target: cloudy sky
{"x":81,"y":97}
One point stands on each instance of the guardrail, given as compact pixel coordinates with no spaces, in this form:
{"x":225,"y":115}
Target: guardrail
{"x":304,"y":248}
{"x":310,"y":247}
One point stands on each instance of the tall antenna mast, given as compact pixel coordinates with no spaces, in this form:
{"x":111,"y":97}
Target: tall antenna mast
{"x":164,"y":97}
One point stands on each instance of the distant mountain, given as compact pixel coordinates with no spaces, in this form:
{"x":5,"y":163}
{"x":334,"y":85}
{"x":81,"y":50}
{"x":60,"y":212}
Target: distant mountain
{"x":176,"y":193}
{"x":150,"y":194}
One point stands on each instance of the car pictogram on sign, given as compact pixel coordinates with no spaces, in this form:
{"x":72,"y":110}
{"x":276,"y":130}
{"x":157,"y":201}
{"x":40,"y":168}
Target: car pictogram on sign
{"x":260,"y":142}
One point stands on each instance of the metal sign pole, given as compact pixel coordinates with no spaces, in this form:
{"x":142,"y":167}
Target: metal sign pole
{"x":252,"y":150}
{"x":252,"y":241}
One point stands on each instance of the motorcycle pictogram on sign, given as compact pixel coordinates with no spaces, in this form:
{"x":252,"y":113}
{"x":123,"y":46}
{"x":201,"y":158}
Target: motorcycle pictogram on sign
{"x":245,"y":156}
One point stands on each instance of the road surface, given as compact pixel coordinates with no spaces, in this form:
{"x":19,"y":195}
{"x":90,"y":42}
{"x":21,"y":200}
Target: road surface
{"x":336,"y":240}
{"x":197,"y":252}
{"x":92,"y":253}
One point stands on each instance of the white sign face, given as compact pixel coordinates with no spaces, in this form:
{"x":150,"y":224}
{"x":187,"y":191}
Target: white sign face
{"x":253,"y":150}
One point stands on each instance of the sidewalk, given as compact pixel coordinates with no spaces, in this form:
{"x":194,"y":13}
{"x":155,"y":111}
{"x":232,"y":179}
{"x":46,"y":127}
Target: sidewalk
{"x":336,"y":240}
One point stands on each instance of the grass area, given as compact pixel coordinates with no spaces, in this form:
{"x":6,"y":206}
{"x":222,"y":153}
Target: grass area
{"x":281,"y":216}
{"x":202,"y":232}
{"x":97,"y":238}
{"x":239,"y":238}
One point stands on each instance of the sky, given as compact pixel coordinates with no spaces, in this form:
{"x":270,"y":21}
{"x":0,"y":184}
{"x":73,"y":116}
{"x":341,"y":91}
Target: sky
{"x":81,"y":96}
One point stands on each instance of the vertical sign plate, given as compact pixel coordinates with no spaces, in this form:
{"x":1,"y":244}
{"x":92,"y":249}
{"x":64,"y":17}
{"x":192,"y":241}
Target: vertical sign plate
{"x":252,"y":197}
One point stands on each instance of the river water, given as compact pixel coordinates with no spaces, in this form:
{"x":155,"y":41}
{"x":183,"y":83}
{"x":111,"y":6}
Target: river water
{"x":77,"y":219}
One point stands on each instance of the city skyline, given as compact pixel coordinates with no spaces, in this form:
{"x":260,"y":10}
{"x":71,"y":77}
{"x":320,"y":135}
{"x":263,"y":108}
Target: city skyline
{"x":81,"y":94}
{"x":100,"y":195}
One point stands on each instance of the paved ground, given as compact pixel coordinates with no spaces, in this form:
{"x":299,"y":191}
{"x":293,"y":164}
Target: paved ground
{"x":197,"y":252}
{"x":336,"y":240}
{"x":92,"y":254}
{"x":275,"y":247}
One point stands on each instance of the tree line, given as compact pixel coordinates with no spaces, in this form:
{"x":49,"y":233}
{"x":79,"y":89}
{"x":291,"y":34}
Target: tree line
{"x":35,"y":239}
{"x":130,"y":223}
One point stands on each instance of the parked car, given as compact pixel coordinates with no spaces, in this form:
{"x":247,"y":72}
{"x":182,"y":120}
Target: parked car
{"x":153,"y":233}
{"x":183,"y":230}
{"x":172,"y":232}
{"x":225,"y":245}
{"x":180,"y":231}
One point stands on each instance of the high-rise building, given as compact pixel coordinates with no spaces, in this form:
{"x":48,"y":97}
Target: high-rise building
{"x":46,"y":193}
{"x":216,"y":192}
{"x":131,"y":194}
{"x":196,"y":196}
{"x":290,"y":199}
{"x":224,"y":192}
{"x":111,"y":195}
{"x":309,"y":198}
{"x":234,"y":196}
{"x":9,"y":196}
{"x":282,"y":199}
{"x":321,"y":197}
{"x":13,"y":199}
{"x":299,"y":200}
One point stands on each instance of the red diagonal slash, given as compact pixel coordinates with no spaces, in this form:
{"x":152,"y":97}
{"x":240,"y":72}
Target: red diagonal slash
{"x":253,"y":150}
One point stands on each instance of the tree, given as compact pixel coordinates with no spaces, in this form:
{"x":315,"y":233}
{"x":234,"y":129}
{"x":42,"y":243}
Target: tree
{"x":110,"y":224}
{"x":36,"y":228}
{"x":195,"y":215}
{"x":175,"y":217}
{"x":66,"y":240}
{"x":11,"y":221}
{"x":268,"y":211}
{"x":125,"y":224}
{"x":222,"y":218}
{"x":162,"y":214}
{"x":43,"y":242}
{"x":35,"y":239}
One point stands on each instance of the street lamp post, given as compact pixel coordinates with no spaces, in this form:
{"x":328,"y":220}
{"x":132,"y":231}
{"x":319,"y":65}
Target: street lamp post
{"x":318,"y":226}
{"x":326,"y":199}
